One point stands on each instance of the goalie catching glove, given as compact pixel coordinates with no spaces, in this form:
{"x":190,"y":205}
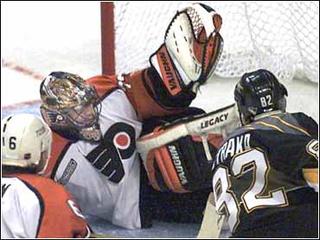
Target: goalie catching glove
{"x":178,"y":157}
{"x":191,"y":50}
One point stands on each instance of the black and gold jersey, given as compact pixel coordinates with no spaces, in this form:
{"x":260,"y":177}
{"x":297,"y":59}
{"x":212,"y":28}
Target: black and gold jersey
{"x":259,"y":172}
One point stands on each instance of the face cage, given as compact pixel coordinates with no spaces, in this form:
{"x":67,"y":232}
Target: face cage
{"x":83,"y":117}
{"x":89,"y":131}
{"x":66,"y":127}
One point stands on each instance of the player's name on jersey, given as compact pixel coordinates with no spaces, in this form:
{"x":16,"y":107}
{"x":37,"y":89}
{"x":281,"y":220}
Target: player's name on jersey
{"x":234,"y":145}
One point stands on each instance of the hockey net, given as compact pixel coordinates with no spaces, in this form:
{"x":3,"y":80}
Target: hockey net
{"x":280,"y":36}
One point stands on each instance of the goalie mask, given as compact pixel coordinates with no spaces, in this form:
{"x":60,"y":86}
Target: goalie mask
{"x":26,"y":142}
{"x":259,"y":92}
{"x":70,"y":106}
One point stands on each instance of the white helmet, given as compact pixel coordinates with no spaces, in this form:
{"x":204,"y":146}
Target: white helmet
{"x":26,"y":142}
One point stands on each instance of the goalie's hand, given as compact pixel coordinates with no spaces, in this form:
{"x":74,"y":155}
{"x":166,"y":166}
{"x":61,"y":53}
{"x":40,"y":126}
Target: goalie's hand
{"x":182,"y":165}
{"x":191,"y":49}
{"x":178,"y":155}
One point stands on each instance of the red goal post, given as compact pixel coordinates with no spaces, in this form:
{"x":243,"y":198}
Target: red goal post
{"x":107,"y":38}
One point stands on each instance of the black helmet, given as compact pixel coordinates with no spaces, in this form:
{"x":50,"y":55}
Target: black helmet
{"x":70,"y":106}
{"x":259,"y":92}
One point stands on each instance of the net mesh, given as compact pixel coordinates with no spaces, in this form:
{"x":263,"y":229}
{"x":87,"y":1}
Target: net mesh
{"x":280,"y":36}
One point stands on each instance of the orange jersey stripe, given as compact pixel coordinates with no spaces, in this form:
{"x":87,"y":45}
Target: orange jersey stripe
{"x":58,"y":219}
{"x":58,"y":147}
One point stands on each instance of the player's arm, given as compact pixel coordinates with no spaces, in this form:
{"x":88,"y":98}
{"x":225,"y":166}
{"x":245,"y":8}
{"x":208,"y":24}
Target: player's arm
{"x":311,"y":173}
{"x":62,"y":218}
{"x":178,"y":156}
{"x":307,"y":123}
{"x":27,"y":215}
{"x":186,"y":60}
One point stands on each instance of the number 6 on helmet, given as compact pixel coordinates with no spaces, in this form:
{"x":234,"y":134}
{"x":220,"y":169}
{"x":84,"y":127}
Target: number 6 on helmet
{"x":26,"y":142}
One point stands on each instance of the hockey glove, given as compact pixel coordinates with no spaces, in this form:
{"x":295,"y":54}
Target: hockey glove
{"x":178,"y":156}
{"x":191,"y":49}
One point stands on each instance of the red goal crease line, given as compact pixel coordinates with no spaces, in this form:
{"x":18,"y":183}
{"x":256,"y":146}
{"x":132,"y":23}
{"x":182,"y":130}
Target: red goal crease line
{"x":27,"y":72}
{"x":19,"y":105}
{"x":21,"y":69}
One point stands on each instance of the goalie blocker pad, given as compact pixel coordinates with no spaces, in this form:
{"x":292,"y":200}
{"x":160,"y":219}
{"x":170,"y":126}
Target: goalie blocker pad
{"x":182,"y":165}
{"x":178,"y":156}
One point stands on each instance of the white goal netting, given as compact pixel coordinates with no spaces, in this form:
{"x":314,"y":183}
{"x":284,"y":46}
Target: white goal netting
{"x":280,"y":36}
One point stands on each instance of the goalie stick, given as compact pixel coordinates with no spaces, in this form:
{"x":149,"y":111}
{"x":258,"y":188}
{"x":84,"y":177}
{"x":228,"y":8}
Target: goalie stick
{"x":212,"y":222}
{"x":221,"y":121}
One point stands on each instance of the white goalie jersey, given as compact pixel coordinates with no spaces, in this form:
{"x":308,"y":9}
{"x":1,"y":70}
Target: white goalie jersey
{"x":104,"y":178}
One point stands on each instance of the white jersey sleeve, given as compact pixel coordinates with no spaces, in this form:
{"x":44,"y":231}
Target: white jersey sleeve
{"x":21,"y":209}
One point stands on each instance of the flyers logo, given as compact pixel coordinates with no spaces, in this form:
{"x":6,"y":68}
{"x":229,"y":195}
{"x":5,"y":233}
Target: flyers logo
{"x":117,"y":145}
{"x":123,"y":137}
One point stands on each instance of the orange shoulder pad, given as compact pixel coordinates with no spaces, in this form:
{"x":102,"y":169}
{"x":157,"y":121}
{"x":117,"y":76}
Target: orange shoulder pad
{"x":103,"y":83}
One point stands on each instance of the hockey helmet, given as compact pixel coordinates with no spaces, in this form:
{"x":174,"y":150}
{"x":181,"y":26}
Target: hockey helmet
{"x":70,"y":106}
{"x":259,"y":92}
{"x":26,"y":142}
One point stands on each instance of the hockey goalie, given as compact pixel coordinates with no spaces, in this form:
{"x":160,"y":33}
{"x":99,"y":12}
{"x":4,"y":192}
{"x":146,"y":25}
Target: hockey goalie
{"x":98,"y":124}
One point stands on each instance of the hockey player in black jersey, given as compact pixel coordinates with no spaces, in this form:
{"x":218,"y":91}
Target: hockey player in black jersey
{"x":265,"y":174}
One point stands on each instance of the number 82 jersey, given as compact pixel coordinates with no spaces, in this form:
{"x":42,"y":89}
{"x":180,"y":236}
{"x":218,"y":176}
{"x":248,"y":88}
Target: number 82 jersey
{"x":262,"y":170}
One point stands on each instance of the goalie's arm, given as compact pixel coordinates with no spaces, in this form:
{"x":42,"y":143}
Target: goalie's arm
{"x":184,"y":61}
{"x":149,"y":97}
